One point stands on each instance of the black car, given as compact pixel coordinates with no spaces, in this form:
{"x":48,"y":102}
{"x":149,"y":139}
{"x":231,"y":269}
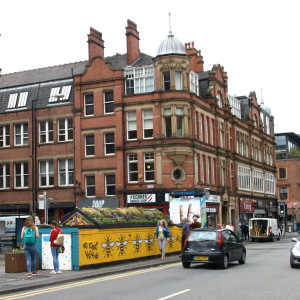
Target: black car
{"x":213,"y":246}
{"x":295,"y":254}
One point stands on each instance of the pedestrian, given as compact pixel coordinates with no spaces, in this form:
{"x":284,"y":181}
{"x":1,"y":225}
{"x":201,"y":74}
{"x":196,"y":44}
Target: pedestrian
{"x":245,"y":231}
{"x":195,"y":223}
{"x":55,"y":249}
{"x":229,"y":226}
{"x":162,"y":233}
{"x":29,"y":235}
{"x":185,"y":229}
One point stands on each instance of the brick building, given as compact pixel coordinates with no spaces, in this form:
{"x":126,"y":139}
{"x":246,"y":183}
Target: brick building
{"x":144,"y":127}
{"x":288,"y":175}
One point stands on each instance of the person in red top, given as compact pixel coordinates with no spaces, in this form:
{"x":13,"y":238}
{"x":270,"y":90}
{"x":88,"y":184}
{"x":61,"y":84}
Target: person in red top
{"x":55,"y":249}
{"x":195,"y":223}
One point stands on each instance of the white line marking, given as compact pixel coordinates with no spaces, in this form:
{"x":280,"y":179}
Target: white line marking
{"x":173,"y":295}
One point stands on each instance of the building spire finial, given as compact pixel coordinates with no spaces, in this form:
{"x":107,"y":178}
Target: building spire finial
{"x":170,"y":27}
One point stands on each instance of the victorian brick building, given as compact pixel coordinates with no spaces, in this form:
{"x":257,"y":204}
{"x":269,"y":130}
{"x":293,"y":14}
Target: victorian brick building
{"x":135,"y":128}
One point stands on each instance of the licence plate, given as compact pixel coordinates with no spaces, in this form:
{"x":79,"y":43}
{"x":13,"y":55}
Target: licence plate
{"x":203,"y":258}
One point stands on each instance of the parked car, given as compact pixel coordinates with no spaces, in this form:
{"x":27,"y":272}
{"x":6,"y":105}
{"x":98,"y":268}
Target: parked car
{"x":295,"y":253}
{"x":263,"y":229}
{"x":213,"y":246}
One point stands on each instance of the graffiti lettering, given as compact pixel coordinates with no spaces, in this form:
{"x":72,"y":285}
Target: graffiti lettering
{"x":91,"y":251}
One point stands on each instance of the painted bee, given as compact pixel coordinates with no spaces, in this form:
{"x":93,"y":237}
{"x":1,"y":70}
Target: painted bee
{"x":107,"y":245}
{"x":149,"y":241}
{"x":121,"y":244}
{"x":137,"y":242}
{"x":171,"y":240}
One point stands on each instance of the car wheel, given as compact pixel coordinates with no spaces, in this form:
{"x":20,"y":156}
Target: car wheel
{"x":225,"y":262}
{"x":278,"y":238}
{"x":292,"y":265}
{"x":243,"y":258}
{"x":186,"y":264}
{"x":272,"y":238}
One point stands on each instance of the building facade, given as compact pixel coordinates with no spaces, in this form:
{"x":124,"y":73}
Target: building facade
{"x":142,"y":128}
{"x":288,"y":176}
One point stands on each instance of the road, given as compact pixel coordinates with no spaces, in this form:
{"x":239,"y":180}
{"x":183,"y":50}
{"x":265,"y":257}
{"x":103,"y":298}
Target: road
{"x":266,"y":275}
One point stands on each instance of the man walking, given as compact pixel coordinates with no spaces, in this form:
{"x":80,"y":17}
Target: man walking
{"x":185,"y":229}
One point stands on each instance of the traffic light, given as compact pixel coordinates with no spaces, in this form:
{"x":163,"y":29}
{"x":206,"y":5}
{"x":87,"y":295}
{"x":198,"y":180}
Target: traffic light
{"x":282,"y":210}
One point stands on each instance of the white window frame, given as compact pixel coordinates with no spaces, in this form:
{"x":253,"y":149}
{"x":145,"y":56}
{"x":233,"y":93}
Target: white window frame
{"x":147,"y":122}
{"x":86,"y":146}
{"x":88,"y":186}
{"x":270,"y":183}
{"x":132,"y":159}
{"x":23,"y":134}
{"x":167,"y":113}
{"x":109,"y":143}
{"x":110,"y":185}
{"x":105,"y":102}
{"x":131,"y":122}
{"x":22,"y":175}
{"x":138,"y":79}
{"x":65,"y":131}
{"x":67,"y":172}
{"x":244,"y":178}
{"x":86,"y":105}
{"x":64,"y":91}
{"x":258,"y":181}
{"x":179,"y":116}
{"x":149,"y":159}
{"x":5,"y":178}
{"x":47,"y":174}
{"x":194,"y":83}
{"x":46,"y":132}
{"x":5,"y":135}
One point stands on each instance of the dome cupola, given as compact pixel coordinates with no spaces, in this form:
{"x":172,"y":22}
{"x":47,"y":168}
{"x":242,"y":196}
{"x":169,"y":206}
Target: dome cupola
{"x":171,"y":46}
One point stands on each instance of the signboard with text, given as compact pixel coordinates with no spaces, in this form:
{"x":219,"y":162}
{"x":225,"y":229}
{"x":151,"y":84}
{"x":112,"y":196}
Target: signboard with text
{"x":99,"y":203}
{"x":141,"y":198}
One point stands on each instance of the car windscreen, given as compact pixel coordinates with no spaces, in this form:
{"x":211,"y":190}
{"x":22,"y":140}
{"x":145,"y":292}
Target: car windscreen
{"x":202,"y":236}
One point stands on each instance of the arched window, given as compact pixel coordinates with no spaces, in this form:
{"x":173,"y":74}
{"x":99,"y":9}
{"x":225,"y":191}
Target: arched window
{"x":219,"y":97}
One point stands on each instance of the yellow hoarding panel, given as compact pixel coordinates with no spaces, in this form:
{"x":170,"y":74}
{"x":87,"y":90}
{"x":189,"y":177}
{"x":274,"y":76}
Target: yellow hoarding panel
{"x":98,"y":246}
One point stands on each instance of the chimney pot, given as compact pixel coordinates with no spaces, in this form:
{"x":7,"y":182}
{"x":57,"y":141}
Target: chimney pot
{"x":96,"y":44}
{"x":133,"y":46}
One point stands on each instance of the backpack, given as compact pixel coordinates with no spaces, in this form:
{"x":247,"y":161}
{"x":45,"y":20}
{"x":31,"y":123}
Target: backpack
{"x":59,"y":239}
{"x":29,"y":236}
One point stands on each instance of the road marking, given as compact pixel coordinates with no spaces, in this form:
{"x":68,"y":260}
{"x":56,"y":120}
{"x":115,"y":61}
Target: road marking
{"x":86,"y":282}
{"x":173,"y":295}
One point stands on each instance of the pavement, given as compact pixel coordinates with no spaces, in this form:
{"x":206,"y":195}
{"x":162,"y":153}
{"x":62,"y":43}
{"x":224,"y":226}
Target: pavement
{"x":17,"y":282}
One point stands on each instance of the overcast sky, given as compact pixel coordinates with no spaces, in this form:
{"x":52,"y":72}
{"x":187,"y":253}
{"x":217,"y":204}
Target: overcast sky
{"x":257,"y":41}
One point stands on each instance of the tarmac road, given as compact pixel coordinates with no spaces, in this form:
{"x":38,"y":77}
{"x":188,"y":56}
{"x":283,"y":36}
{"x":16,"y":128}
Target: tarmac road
{"x":266,"y":275}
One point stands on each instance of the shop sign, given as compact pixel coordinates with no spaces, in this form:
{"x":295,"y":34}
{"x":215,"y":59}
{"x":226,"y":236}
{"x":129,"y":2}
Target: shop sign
{"x":99,"y":203}
{"x":211,"y":210}
{"x":246,"y":205}
{"x":213,"y":199}
{"x":167,"y":197}
{"x":141,"y":198}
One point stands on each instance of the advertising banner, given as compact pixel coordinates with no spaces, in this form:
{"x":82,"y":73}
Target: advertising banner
{"x":188,"y":206}
{"x":141,"y":198}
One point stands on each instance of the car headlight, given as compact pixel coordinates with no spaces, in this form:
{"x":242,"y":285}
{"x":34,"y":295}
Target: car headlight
{"x":296,"y":251}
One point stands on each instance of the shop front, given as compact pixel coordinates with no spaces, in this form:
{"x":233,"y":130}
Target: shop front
{"x":14,"y":210}
{"x":247,"y":209}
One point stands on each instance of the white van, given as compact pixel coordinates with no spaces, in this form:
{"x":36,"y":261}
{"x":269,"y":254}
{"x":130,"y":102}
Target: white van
{"x":263,"y":229}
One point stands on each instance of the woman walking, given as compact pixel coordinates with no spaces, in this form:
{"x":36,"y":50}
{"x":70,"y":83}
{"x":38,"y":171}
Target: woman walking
{"x":55,"y":248}
{"x":29,"y":235}
{"x":162,"y":232}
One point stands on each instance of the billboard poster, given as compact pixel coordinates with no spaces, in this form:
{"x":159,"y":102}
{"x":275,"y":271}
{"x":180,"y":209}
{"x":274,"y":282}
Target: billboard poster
{"x":188,"y":206}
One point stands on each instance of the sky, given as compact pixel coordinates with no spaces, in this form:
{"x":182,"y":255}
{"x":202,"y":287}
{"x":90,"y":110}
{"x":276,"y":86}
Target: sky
{"x":257,"y":41}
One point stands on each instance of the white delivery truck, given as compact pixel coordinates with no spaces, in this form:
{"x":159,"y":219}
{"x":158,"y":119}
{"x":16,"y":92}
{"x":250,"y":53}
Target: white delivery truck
{"x":263,"y":229}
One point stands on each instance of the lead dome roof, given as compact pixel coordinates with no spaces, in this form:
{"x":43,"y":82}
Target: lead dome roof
{"x":171,"y":46}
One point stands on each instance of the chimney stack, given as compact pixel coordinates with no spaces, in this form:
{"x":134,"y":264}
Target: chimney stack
{"x":133,"y":46}
{"x":96,"y":44}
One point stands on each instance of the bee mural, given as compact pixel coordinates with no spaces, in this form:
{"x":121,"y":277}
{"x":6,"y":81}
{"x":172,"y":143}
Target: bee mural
{"x":171,"y":240}
{"x":107,"y":246}
{"x":121,"y":244}
{"x":137,"y":242}
{"x":149,"y":241}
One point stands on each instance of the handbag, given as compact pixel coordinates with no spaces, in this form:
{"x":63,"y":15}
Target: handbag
{"x":59,"y":241}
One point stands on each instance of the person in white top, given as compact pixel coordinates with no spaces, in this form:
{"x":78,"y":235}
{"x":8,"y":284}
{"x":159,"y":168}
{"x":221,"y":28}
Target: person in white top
{"x":229,"y":226}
